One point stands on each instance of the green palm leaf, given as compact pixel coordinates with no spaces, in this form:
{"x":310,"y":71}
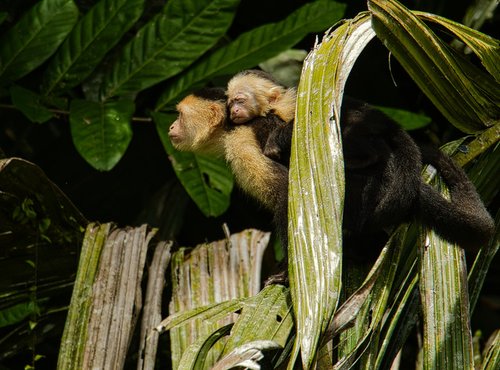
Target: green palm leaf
{"x":445,"y":304}
{"x":467,"y":96}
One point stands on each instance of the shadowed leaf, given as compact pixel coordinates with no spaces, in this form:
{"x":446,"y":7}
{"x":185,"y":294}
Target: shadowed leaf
{"x":35,"y":37}
{"x":101,"y":131}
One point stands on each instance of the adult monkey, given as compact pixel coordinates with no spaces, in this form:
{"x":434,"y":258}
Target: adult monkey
{"x":203,"y":127}
{"x":382,"y":165}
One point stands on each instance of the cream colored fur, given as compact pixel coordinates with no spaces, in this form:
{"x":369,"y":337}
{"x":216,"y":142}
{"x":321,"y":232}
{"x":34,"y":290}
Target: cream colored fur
{"x":195,"y":113}
{"x":253,"y":170}
{"x":269,"y":96}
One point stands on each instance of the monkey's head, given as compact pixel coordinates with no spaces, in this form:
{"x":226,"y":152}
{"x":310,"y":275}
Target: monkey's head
{"x":202,"y":117}
{"x":251,"y":94}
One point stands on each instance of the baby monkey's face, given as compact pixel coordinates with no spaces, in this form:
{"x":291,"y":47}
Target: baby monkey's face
{"x":242,"y":107}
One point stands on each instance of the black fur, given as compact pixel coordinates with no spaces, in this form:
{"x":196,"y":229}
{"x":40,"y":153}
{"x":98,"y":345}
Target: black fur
{"x":211,"y":93}
{"x":274,"y":136}
{"x":271,"y":131}
{"x":384,"y":188}
{"x":464,"y":219}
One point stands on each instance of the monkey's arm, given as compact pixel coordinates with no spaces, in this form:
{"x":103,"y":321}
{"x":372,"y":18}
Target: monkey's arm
{"x":463,"y":219}
{"x":279,"y":143}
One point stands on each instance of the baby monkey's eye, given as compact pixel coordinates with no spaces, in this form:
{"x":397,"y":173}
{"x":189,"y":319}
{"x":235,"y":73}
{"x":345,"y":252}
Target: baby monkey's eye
{"x":240,"y":98}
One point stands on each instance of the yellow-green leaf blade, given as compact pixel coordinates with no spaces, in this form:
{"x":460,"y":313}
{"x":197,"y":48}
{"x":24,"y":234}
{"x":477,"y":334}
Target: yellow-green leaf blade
{"x":467,"y":96}
{"x":445,"y":305}
{"x":485,"y":47}
{"x":316,"y":190}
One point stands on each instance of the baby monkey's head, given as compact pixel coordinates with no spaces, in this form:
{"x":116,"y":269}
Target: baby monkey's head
{"x":252,"y":94}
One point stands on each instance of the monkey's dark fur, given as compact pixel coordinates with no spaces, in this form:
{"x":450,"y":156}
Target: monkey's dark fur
{"x":383,"y":177}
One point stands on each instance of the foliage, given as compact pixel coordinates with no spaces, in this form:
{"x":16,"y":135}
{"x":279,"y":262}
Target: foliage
{"x":184,"y":42}
{"x":316,"y":185}
{"x":104,"y":70}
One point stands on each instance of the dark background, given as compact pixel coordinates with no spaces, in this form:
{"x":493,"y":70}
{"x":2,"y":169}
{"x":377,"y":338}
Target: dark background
{"x":128,"y":194}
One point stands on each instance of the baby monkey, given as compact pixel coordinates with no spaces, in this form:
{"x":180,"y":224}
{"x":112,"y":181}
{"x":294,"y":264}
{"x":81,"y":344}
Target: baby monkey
{"x":255,"y":94}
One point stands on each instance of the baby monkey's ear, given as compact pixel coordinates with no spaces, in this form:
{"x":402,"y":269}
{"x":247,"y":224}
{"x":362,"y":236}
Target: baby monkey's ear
{"x":274,"y":94}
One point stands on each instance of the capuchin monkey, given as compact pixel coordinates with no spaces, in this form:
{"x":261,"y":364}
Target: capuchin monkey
{"x":382,"y":165}
{"x":383,"y":168}
{"x":203,"y":127}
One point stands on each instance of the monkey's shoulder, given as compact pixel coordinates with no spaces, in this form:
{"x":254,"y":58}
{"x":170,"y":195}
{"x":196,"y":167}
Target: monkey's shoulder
{"x":262,"y":127}
{"x":361,"y":119}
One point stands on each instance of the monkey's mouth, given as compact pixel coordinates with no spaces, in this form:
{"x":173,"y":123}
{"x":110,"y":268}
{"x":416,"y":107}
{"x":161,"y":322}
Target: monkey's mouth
{"x":238,"y":119}
{"x":173,"y":138}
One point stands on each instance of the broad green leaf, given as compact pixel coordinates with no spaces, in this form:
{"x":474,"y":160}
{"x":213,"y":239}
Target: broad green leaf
{"x":169,"y":43}
{"x":14,"y":314}
{"x":406,"y":119}
{"x":89,"y":41}
{"x":35,"y":37}
{"x":207,"y":180}
{"x":29,"y":103}
{"x":101,"y":131}
{"x":255,"y":46}
{"x":286,"y":66}
{"x":467,"y":96}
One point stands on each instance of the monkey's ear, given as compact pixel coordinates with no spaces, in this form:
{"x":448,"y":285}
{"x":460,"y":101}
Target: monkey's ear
{"x":218,"y":114}
{"x":274,"y":94}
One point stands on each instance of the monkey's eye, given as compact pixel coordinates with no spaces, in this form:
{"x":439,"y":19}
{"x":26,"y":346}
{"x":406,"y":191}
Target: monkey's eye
{"x":239,"y":98}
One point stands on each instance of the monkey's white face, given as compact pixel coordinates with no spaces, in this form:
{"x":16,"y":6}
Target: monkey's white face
{"x":183,"y":131}
{"x":194,"y":128}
